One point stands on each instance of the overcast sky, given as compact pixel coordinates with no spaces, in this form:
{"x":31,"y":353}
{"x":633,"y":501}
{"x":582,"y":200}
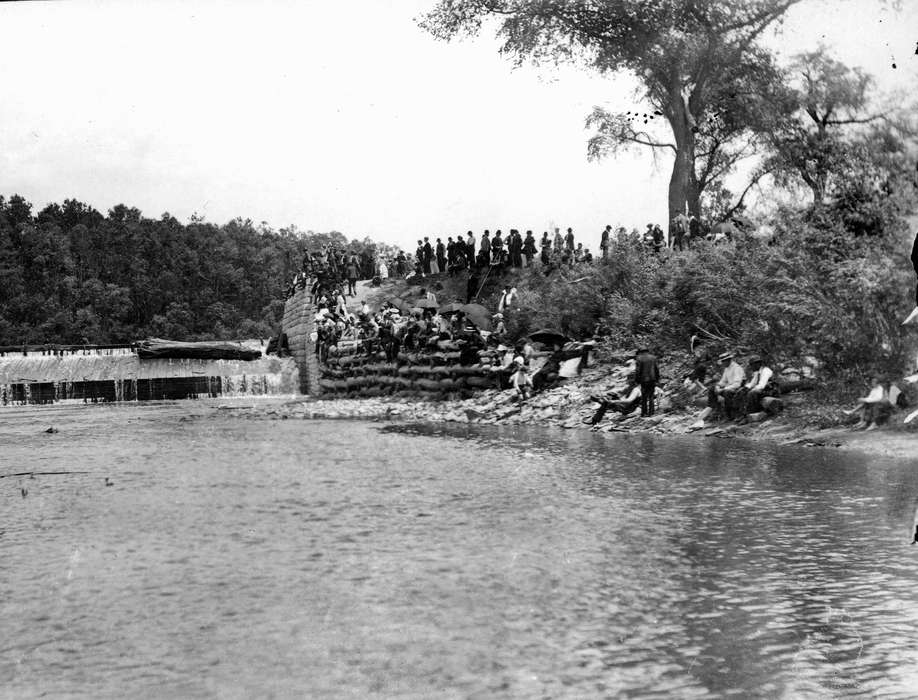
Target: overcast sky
{"x":338,"y":115}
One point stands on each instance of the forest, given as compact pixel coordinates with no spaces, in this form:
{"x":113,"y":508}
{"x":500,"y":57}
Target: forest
{"x":71,"y":275}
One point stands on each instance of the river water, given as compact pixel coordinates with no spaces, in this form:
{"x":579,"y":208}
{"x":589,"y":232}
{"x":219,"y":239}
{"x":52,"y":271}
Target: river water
{"x":236,"y":557}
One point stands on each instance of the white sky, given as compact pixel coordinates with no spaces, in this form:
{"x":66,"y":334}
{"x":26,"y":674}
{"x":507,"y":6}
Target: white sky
{"x":338,"y":115}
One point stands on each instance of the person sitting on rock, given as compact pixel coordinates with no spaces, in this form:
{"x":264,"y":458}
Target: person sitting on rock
{"x":758,"y":386}
{"x":875,"y":408}
{"x":623,"y":405}
{"x":722,"y":396}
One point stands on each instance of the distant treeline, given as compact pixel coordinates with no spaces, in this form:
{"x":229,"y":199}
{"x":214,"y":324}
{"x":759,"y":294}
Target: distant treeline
{"x":68,"y":274}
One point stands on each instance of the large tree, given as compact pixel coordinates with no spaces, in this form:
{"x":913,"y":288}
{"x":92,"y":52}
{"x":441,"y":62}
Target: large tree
{"x":700,"y":63}
{"x":831,"y":130}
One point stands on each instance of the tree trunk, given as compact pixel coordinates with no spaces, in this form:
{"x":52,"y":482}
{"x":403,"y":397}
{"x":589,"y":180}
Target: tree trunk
{"x":684,"y":196}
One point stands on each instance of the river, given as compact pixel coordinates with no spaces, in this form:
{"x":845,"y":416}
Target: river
{"x":248,"y":557}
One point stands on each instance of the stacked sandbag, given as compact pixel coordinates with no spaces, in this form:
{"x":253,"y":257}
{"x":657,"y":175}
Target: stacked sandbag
{"x":349,"y":371}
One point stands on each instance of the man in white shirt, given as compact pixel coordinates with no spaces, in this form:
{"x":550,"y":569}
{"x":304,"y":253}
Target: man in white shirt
{"x":758,"y":384}
{"x":876,"y":407}
{"x":723,"y":395}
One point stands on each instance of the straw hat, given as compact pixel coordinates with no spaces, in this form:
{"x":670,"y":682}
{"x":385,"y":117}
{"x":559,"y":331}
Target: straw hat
{"x":725,"y":357}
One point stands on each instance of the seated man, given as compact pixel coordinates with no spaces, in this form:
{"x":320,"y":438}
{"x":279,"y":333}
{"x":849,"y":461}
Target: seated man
{"x":724,"y":394}
{"x":875,"y":408}
{"x":630,"y":403}
{"x":759,"y":385}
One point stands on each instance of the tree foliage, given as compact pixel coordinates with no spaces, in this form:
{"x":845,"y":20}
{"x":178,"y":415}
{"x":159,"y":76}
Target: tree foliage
{"x":701,"y":68}
{"x":813,"y":290}
{"x":69,"y":274}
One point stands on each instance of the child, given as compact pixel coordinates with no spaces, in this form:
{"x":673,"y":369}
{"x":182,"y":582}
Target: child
{"x":522,"y":382}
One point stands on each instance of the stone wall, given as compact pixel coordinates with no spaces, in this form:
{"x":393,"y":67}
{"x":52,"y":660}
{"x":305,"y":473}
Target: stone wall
{"x":299,"y":325}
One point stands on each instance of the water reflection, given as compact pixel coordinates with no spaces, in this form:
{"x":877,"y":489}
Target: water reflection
{"x":234,"y":557}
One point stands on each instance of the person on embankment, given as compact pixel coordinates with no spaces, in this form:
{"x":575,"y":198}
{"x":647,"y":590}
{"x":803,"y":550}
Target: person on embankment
{"x":722,"y":396}
{"x":648,"y":374}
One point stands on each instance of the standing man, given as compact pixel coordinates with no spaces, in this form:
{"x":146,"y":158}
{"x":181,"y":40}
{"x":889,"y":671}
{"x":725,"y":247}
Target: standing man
{"x":604,"y":241}
{"x":529,"y":249}
{"x":441,"y":255}
{"x":427,"y":255}
{"x":647,"y":375}
{"x":470,"y":246}
{"x":352,"y":274}
{"x":419,"y":257}
{"x":569,"y":240}
{"x":546,"y":250}
{"x":485,"y":253}
{"x":659,"y":239}
{"x":678,"y":229}
{"x":559,"y":241}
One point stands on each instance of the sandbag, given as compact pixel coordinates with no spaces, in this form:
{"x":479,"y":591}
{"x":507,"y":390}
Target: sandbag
{"x":480,"y":382}
{"x":428,"y":384}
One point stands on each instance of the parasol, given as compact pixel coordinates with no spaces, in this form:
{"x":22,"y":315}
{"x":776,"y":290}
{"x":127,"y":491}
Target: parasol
{"x":478,"y":315}
{"x":450,"y":308}
{"x":548,"y":336}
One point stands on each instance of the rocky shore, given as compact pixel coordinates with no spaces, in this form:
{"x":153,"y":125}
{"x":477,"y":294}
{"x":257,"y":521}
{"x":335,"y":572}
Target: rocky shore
{"x":568,"y":406}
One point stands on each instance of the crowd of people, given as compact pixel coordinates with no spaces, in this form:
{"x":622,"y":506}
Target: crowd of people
{"x":423,"y":325}
{"x":334,"y":266}
{"x":736,"y":394}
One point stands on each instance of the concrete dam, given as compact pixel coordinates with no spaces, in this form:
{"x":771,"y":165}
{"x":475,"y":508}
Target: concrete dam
{"x":118,"y":374}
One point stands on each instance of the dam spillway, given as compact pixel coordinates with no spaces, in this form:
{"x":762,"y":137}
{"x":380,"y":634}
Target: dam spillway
{"x":118,"y":374}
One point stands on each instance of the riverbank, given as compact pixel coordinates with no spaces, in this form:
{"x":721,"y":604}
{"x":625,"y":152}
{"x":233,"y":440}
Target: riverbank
{"x":568,"y":406}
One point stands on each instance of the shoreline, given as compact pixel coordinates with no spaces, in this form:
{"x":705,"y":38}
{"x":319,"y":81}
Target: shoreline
{"x":566,"y":406}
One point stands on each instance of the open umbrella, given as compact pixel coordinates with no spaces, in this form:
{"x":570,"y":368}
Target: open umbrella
{"x":476,"y":309}
{"x":426,"y":304}
{"x":401,"y":305}
{"x":450,"y":308}
{"x":478,"y":315}
{"x":549,"y":337}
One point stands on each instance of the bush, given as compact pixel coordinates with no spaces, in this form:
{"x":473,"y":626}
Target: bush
{"x":814,"y":289}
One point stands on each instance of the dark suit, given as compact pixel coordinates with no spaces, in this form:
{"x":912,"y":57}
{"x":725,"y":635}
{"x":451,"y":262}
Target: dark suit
{"x":647,"y":374}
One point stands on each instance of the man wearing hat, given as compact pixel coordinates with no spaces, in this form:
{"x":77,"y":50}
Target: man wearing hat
{"x":759,"y":384}
{"x":648,"y":374}
{"x":724,"y":392}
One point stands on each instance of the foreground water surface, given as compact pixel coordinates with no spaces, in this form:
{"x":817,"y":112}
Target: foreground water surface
{"x":234,"y":557}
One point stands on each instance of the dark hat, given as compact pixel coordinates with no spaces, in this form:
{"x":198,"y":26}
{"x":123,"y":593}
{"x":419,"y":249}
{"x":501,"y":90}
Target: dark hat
{"x":753,"y":359}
